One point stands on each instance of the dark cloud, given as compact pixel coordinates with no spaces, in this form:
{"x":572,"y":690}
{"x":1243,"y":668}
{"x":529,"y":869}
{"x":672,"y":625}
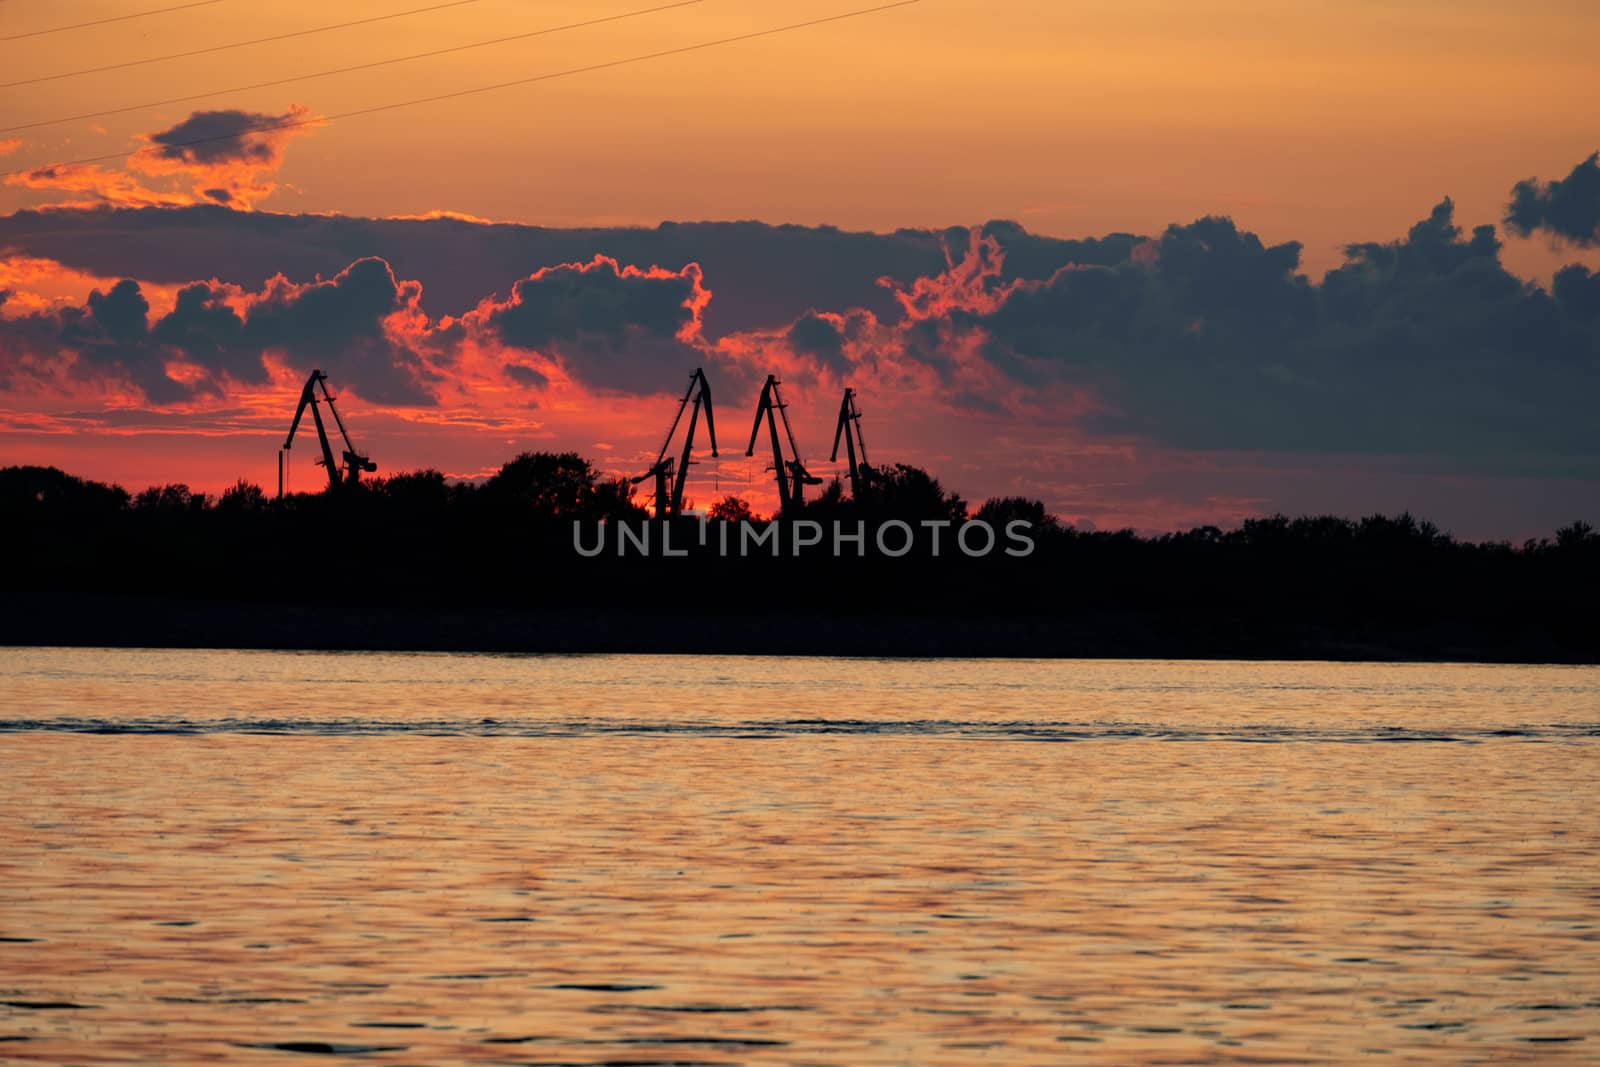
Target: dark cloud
{"x":1568,"y":207}
{"x":1204,"y":337}
{"x":612,"y":326}
{"x":338,"y":325}
{"x":323,"y":317}
{"x":122,"y":315}
{"x":821,"y":338}
{"x":250,"y":137}
{"x":1031,"y":255}
{"x":764,"y":277}
{"x":110,"y":334}
{"x":1426,"y":345}
{"x":224,"y":157}
{"x":208,"y":331}
{"x":977,"y":404}
{"x":570,"y":302}
{"x":1577,"y":290}
{"x":523,"y":374}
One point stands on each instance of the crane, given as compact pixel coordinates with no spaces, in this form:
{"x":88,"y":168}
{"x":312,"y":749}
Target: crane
{"x":855,"y":445}
{"x":664,"y":467}
{"x":792,"y":474}
{"x":354,"y":462}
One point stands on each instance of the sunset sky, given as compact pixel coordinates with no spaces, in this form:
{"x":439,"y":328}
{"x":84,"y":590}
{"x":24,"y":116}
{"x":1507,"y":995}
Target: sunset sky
{"x":1163,"y":379}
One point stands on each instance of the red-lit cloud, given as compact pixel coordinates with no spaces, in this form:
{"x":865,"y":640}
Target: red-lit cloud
{"x":1125,"y":380}
{"x":608,"y":325}
{"x":212,"y":157}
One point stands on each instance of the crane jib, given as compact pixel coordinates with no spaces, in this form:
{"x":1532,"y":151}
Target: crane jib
{"x":355,"y":463}
{"x":670,"y":474}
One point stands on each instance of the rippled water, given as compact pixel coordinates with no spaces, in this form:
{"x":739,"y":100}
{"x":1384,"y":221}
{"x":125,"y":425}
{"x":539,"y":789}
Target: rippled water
{"x":273,"y":858}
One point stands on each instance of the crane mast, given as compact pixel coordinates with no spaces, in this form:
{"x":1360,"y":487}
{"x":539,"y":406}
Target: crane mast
{"x":354,"y":462}
{"x":675,"y":471}
{"x":791,"y":474}
{"x":855,"y":445}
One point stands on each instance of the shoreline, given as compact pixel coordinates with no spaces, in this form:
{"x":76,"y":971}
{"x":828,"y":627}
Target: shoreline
{"x":82,"y":620}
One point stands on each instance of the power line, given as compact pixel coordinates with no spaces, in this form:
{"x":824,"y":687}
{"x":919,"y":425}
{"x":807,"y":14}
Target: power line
{"x":608,"y":65}
{"x":350,"y":69}
{"x":234,"y":44}
{"x":113,"y":18}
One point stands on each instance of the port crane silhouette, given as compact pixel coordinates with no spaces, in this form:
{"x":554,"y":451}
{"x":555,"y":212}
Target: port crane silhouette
{"x":354,"y":462}
{"x":855,"y":445}
{"x":676,"y":470}
{"x":791,"y":473}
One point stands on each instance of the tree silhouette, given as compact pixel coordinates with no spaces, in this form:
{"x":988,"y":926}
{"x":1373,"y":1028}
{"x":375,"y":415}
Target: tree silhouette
{"x":541,"y":483}
{"x":1578,"y":535}
{"x":242,"y":496}
{"x":169,"y":498}
{"x":418,"y":491}
{"x":48,"y":490}
{"x":732,"y":509}
{"x":614,"y":498}
{"x":997,"y":511}
{"x":905,"y":492}
{"x":421,"y":543}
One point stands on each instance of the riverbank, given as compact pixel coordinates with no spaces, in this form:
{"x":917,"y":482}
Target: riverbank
{"x":127,"y":621}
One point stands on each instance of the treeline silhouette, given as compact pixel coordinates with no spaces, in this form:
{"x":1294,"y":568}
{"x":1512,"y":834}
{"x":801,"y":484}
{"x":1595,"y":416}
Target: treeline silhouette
{"x":418,"y":561}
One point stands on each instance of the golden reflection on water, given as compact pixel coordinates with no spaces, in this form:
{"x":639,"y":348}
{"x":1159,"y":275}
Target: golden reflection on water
{"x":664,"y":860}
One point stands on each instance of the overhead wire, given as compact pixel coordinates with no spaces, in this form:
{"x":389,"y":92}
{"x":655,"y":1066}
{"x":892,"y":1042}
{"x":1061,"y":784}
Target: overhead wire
{"x":110,"y":19}
{"x":321,"y":120}
{"x":210,"y":49}
{"x":352,"y":68}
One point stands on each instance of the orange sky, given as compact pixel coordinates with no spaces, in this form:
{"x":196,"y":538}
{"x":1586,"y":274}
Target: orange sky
{"x":1319,"y":121}
{"x":1324,"y":122}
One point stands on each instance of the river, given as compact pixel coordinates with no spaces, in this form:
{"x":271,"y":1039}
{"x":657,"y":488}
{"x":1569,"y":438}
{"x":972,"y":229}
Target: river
{"x":276,"y":858}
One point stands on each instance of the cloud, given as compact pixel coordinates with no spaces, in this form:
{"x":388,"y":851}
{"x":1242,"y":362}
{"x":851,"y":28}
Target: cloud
{"x":1426,"y":345}
{"x":225,"y":138}
{"x":1202,"y":339}
{"x":9,"y":145}
{"x":101,"y":186}
{"x":609,"y":326}
{"x":1577,"y":291}
{"x":224,"y":157}
{"x":108,"y":336}
{"x":821,"y":337}
{"x":1566,"y":208}
{"x":764,"y":276}
{"x":361,"y":326}
{"x":523,"y":374}
{"x":206,"y":328}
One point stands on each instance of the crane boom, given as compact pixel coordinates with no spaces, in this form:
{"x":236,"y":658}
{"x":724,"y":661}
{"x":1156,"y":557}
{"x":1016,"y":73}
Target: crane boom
{"x":704,"y":396}
{"x":791,"y":474}
{"x":669,"y":489}
{"x":308,"y":398}
{"x":354,"y":462}
{"x":855,"y":445}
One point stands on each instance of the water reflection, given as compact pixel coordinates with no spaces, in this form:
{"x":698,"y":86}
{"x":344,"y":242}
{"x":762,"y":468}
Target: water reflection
{"x":259,"y":858}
